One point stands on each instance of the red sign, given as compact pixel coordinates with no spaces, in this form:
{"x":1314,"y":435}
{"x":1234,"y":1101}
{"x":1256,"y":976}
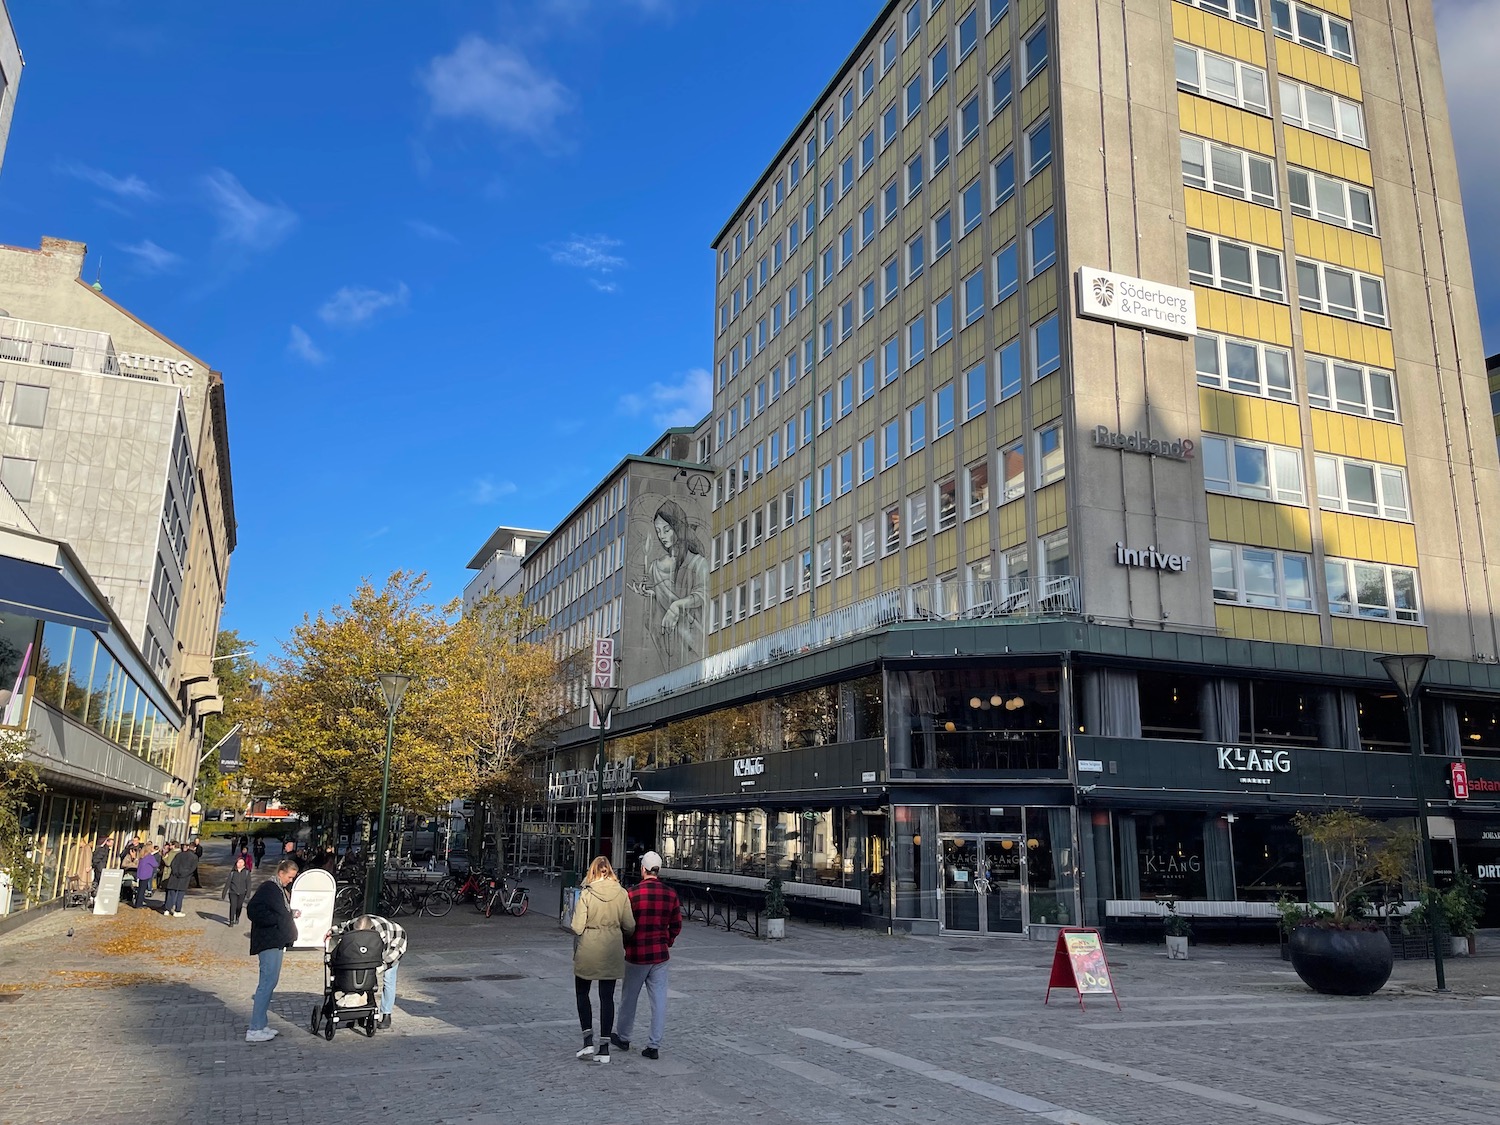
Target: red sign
{"x":1078,"y":963}
{"x":1460,"y":779}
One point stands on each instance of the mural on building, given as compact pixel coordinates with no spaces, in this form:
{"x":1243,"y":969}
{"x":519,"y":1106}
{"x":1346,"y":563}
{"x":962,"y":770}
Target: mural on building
{"x":665,"y":622}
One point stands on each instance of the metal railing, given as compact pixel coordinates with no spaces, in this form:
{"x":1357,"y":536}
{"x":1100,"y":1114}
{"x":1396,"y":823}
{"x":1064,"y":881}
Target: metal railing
{"x":54,"y":345}
{"x":1000,"y":600}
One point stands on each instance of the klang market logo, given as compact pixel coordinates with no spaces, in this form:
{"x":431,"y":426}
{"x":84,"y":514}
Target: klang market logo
{"x":1104,"y":291}
{"x":1255,"y":766}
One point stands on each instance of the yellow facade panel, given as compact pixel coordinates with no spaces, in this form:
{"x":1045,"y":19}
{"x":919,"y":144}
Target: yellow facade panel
{"x":1251,"y":624}
{"x":1041,"y":293}
{"x":1046,"y":398}
{"x":1217,"y":34}
{"x":1323,"y":154}
{"x":1012,"y":524}
{"x":976,"y":539}
{"x":1378,"y":636}
{"x":1342,"y":247}
{"x":1317,"y":69}
{"x":1344,"y":339}
{"x":1223,"y":412}
{"x":1233,"y":218}
{"x":1051,"y":509}
{"x":945,"y":549}
{"x":1007,"y":319}
{"x":864,"y":581}
{"x":1008,"y":425}
{"x":1365,"y":438}
{"x":1038,"y":194}
{"x":1028,"y":12}
{"x":1337,"y":7}
{"x":1234,"y":315}
{"x":1364,"y":537}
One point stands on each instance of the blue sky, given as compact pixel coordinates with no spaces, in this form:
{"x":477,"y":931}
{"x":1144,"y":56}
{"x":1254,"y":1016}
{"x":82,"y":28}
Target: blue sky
{"x":452,"y":257}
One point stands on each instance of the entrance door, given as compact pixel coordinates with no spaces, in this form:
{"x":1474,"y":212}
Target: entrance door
{"x":960,"y":884}
{"x":982,"y":884}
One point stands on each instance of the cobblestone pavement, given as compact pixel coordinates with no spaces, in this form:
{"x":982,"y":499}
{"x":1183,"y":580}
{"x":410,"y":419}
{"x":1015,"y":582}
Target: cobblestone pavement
{"x":139,"y":1018}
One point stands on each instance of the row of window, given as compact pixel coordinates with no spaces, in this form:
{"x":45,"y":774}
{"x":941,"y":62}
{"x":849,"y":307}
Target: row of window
{"x":1260,"y":576}
{"x":1254,"y":271}
{"x":1247,"y":87}
{"x":1265,"y":370}
{"x":1299,"y":23}
{"x":1256,"y":470}
{"x":1250,"y":176}
{"x":907,"y":522}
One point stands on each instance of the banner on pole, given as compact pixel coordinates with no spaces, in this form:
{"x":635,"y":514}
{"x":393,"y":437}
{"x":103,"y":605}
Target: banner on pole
{"x":1078,"y":963}
{"x":601,"y":674}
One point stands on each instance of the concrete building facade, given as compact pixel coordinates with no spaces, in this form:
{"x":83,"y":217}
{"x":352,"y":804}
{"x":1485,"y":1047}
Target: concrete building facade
{"x":11,"y":65}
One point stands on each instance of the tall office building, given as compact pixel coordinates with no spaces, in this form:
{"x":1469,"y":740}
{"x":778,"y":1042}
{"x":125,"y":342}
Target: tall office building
{"x":1098,"y":392}
{"x":11,"y":64}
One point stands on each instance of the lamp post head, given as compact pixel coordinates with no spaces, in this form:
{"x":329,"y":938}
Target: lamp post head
{"x":393,"y":685}
{"x":604,"y":701}
{"x":1406,"y":670}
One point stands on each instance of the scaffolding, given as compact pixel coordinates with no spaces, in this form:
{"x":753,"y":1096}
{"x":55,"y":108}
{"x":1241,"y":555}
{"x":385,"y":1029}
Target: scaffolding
{"x":550,"y":838}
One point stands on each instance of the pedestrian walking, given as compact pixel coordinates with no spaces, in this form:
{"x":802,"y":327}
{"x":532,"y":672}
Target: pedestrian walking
{"x":100,"y":859}
{"x":658,"y":921}
{"x":601,"y":922}
{"x":236,"y":889}
{"x":394,"y":937}
{"x":289,"y":851}
{"x":145,"y":875}
{"x":273,"y":928}
{"x":259,"y":848}
{"x":197,"y":849}
{"x":184,"y":864}
{"x":248,"y":858}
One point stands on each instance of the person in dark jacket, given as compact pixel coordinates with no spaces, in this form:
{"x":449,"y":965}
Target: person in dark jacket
{"x":145,"y":874}
{"x":273,"y":928}
{"x":236,"y":889}
{"x":184,"y":866}
{"x":100,"y":859}
{"x":196,"y":847}
{"x":259,"y":850}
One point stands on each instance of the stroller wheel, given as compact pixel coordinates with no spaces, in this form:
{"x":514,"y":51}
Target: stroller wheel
{"x":317,"y":1015}
{"x":370,"y":1026}
{"x":328,"y":1026}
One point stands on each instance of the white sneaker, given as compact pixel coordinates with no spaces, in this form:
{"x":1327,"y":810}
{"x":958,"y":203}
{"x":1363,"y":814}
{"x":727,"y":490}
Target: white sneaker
{"x":264,"y":1035}
{"x":587,"y":1052}
{"x":602,"y":1056}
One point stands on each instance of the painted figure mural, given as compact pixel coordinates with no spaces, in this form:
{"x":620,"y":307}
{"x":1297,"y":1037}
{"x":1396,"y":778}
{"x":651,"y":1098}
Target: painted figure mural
{"x":674,"y":583}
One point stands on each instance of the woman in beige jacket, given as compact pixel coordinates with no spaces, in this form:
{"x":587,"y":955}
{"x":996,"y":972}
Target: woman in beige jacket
{"x":601,"y":920}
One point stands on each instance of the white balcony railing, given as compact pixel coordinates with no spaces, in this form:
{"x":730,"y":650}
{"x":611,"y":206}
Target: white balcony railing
{"x":1010,"y":599}
{"x":54,"y":345}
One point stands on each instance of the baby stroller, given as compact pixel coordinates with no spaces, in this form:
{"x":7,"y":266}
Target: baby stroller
{"x":351,"y":983}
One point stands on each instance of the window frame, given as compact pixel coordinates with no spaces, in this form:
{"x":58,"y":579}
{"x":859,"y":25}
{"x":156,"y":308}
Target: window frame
{"x":1201,"y":88}
{"x":1381,"y":474}
{"x":1321,"y":303}
{"x":1277,"y":457}
{"x":1279,"y":559}
{"x":1256,"y":255}
{"x":1331,"y":399}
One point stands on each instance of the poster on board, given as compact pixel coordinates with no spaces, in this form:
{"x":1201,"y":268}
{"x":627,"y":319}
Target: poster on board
{"x":1078,"y":962}
{"x":107,"y":897}
{"x":312,"y":907}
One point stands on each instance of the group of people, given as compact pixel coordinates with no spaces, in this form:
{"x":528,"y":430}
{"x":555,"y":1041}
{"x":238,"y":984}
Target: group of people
{"x":623,"y":934}
{"x":173,"y":866}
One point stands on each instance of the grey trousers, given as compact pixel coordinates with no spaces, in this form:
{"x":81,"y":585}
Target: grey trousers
{"x":654,"y":977}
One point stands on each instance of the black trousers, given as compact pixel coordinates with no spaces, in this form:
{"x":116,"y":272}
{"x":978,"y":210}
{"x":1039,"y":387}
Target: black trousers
{"x":606,"y":1006}
{"x":236,"y":904}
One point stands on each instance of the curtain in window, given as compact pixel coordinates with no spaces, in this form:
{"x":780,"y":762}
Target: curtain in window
{"x":1349,"y":706}
{"x":1130,"y":862}
{"x":1319,"y":878}
{"x":1217,"y":860}
{"x":1060,"y":831}
{"x":1452,"y":743}
{"x":898,"y":720}
{"x":1221,"y":711}
{"x":1112,"y":704}
{"x":1331,"y":728}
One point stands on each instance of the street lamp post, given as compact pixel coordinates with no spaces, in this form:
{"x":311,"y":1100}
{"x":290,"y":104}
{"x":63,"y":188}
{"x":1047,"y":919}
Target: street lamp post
{"x":604,"y":703}
{"x":1406,"y":671}
{"x":393,"y":686}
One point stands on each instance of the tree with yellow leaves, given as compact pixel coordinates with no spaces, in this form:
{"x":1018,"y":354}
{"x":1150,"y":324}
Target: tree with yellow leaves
{"x":321,"y":720}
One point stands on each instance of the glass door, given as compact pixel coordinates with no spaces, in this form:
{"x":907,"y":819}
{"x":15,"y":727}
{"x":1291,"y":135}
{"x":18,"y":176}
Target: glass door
{"x":960,"y":884}
{"x":1003,"y":880}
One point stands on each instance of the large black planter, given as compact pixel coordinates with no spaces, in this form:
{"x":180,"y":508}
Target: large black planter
{"x":1341,"y":962}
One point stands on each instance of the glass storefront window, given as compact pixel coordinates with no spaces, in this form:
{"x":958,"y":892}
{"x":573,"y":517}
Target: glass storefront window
{"x":1382,"y":721}
{"x":1051,"y":873}
{"x":916,"y":861}
{"x":17,"y":635}
{"x":1283,"y":713}
{"x":1268,"y":859}
{"x":1478,"y":725}
{"x":1171,"y":705}
{"x":1160,"y":855}
{"x":1004,"y":718}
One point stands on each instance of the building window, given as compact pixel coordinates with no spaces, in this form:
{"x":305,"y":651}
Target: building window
{"x":1001,"y":88}
{"x":866,"y":151}
{"x":1336,"y":384}
{"x":1340,"y":292}
{"x":1244,"y":366}
{"x":942,"y":410}
{"x":1003,"y":179}
{"x":916,"y":428}
{"x":968,"y":120}
{"x":968,"y":33}
{"x":942,"y":320}
{"x":891,"y":438}
{"x":913,"y":21}
{"x":867,"y":458}
{"x":846,"y":472}
{"x":1223,"y":79}
{"x":1041,"y":241}
{"x":1008,"y":368}
{"x":887,"y":52}
{"x":916,"y":258}
{"x":1244,"y":11}
{"x":18,"y":475}
{"x":1228,"y":171}
{"x":941,"y":149}
{"x":947,"y":503}
{"x":1315,"y":196}
{"x":1367,"y":589}
{"x":916,"y":341}
{"x":1034,"y":51}
{"x":891,"y":522}
{"x":890,"y":202}
{"x":1007,"y":272}
{"x":914,"y":177}
{"x":972,"y":203}
{"x":29,"y":406}
{"x":974,"y":302}
{"x":825,"y":560}
{"x":890,"y":125}
{"x":1051,"y":462}
{"x":1258,"y":576}
{"x":1312,"y":28}
{"x":867,"y":300}
{"x":867,"y":533}
{"x":867,"y":224}
{"x":1307,"y":107}
{"x":1235,"y":267}
{"x":974,"y":393}
{"x":1363,"y":488}
{"x":1038,"y":146}
{"x":1012,"y":472}
{"x":977,"y":489}
{"x":890,"y":360}
{"x":939,"y":68}
{"x":866,"y":80}
{"x":1253,"y":470}
{"x":997,"y":8}
{"x":916,"y":516}
{"x":1046,"y":347}
{"x":913,"y":97}
{"x":942,"y":233}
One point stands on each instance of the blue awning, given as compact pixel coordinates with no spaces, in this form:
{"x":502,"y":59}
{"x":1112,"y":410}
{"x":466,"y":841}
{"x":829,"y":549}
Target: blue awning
{"x":32,"y":590}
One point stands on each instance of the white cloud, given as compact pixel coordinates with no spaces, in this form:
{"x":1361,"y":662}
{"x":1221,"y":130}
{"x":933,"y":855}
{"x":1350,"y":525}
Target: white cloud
{"x":126,"y":187}
{"x":355,"y":305}
{"x":1469,"y":35}
{"x":244,"y":221}
{"x":301,"y":345}
{"x":431,"y":231}
{"x":151,"y":258}
{"x":495,"y":84}
{"x":587,"y":252}
{"x":487,"y":490}
{"x":683,"y":403}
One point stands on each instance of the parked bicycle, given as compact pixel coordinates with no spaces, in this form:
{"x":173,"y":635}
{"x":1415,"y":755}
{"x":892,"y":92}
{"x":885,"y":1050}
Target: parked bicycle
{"x":471,"y":888}
{"x":501,"y":894}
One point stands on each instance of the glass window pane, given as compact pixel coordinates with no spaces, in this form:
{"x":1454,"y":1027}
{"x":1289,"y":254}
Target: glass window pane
{"x":1234,"y":267}
{"x":1216,"y":463}
{"x":1369,"y":585}
{"x":1229,"y":170}
{"x":1336,"y":575}
{"x":1330,"y":199}
{"x":1349,"y":385}
{"x":1250,"y":471}
{"x":1259,"y":569}
{"x":1359,"y":487}
{"x":1241,"y":366}
{"x":1222,"y":562}
{"x":1206,"y":355}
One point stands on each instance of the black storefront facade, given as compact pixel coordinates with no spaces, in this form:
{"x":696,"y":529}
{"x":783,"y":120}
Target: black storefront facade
{"x":1007,"y":779}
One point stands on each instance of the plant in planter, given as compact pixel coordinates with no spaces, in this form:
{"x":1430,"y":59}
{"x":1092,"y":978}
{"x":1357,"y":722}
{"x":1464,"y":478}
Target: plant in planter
{"x":1178,"y":931}
{"x":1460,"y":904}
{"x":1343,"y":954}
{"x":775,"y":909}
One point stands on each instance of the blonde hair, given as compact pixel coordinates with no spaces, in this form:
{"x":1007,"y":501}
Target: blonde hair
{"x":599,"y":869}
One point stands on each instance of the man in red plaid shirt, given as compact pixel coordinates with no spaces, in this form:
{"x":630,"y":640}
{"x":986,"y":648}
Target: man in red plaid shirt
{"x":658,"y":921}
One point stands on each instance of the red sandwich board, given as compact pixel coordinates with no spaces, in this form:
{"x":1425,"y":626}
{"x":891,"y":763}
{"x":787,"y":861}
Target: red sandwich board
{"x":1078,"y":963}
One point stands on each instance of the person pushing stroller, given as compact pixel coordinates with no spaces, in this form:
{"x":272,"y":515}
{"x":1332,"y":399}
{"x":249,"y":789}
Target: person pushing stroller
{"x":393,"y":937}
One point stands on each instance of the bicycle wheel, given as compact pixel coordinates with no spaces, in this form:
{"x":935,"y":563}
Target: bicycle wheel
{"x":450,"y":884}
{"x":406,"y":901}
{"x":389,"y":902}
{"x":438,"y":903}
{"x":480,"y":899}
{"x":346,"y":904}
{"x":520,"y":906}
{"x":491,"y":901}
